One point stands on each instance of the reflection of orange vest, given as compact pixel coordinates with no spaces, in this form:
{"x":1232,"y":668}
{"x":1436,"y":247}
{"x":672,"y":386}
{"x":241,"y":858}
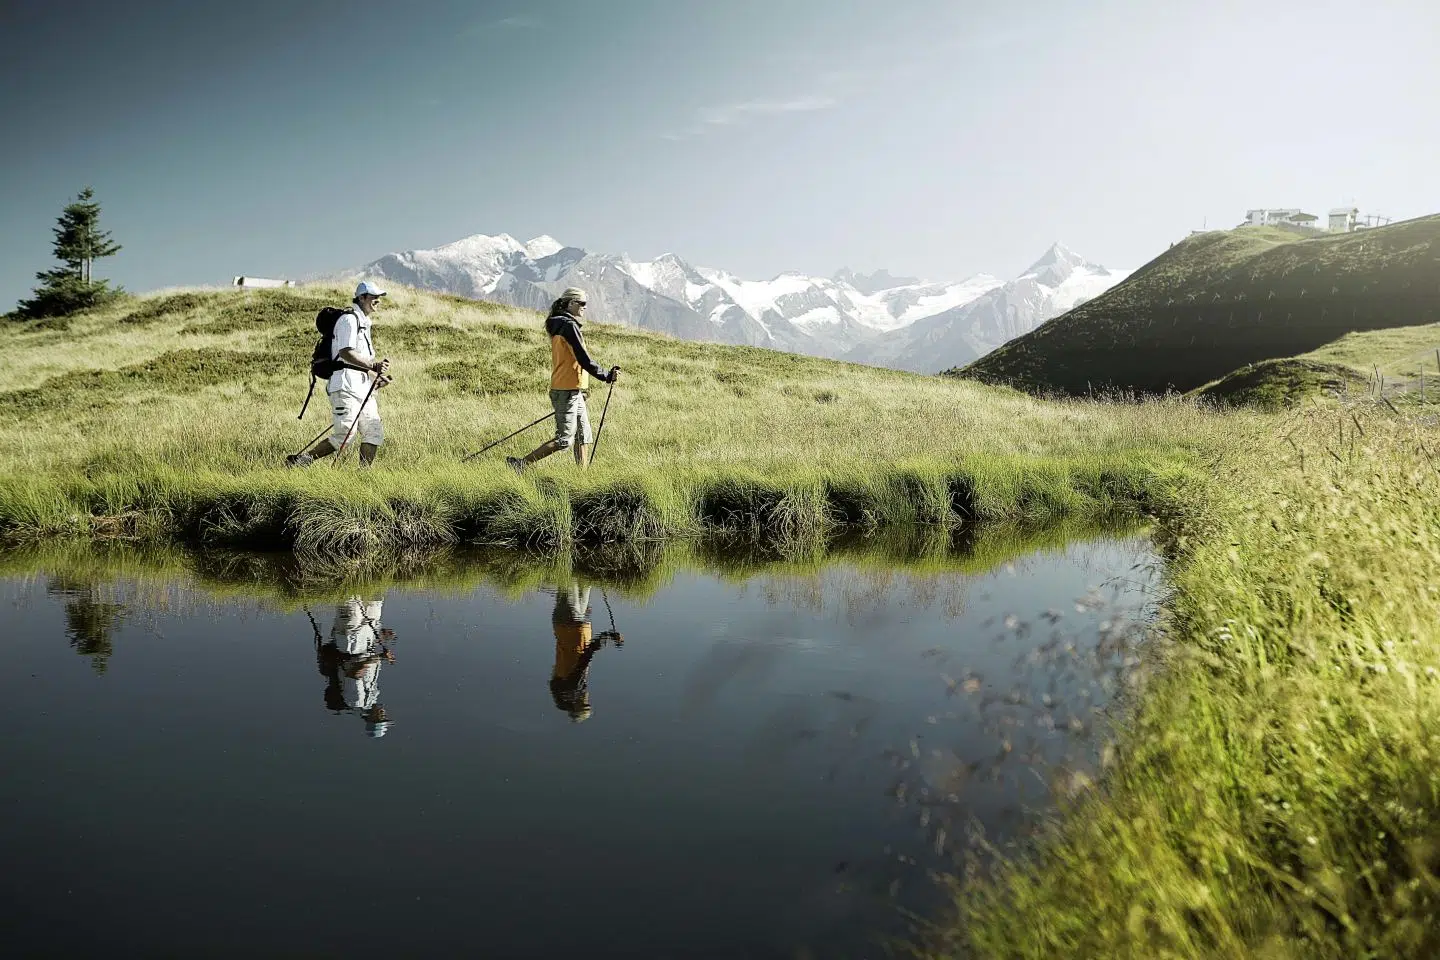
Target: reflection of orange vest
{"x":571,"y":639}
{"x":565,"y":371}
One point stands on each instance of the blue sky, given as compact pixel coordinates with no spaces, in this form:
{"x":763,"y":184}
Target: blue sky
{"x":933,"y":138}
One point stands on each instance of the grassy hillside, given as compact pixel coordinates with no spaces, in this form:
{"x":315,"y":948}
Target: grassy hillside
{"x":170,"y":415}
{"x":1401,"y":364}
{"x":1399,"y":354}
{"x":1218,"y":301}
{"x":1279,"y":384}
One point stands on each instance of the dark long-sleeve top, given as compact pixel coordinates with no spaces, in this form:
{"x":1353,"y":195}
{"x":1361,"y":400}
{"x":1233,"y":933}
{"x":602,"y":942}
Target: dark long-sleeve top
{"x":571,"y":364}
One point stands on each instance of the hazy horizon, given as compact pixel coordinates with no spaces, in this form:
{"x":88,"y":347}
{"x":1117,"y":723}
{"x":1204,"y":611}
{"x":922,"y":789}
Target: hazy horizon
{"x":933,"y":139}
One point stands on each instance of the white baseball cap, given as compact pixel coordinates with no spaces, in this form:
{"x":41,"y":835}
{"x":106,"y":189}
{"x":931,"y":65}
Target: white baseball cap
{"x":367,"y":287}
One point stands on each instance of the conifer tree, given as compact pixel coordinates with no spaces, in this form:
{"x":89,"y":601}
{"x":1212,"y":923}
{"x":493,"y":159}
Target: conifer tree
{"x":79,"y":242}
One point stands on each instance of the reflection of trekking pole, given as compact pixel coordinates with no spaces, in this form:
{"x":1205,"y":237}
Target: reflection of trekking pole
{"x":612,"y":633}
{"x":601,"y":429}
{"x":312,"y":443}
{"x":470,"y":456}
{"x":313,"y":625}
{"x":353,"y":423}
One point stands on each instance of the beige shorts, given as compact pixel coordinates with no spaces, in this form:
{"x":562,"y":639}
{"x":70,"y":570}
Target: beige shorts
{"x":572,"y":418}
{"x":345,"y":410}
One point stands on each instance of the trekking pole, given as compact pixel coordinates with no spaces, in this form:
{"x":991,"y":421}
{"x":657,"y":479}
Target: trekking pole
{"x":601,"y":429}
{"x":314,"y":440}
{"x":470,"y":456}
{"x":353,"y":423}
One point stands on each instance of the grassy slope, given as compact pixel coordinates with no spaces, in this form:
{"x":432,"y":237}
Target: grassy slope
{"x":1218,"y":301}
{"x":170,"y":415}
{"x":1400,"y":353}
{"x":1404,"y":358}
{"x":1278,"y":384}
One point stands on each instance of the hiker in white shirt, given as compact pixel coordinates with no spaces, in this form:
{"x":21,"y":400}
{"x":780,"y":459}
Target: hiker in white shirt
{"x":350,"y":385}
{"x":362,"y":645}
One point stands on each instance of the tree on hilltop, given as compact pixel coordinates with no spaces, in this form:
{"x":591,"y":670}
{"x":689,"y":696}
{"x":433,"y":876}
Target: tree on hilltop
{"x":79,"y":242}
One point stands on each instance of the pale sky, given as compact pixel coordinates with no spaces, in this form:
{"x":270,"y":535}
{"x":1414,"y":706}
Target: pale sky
{"x":932,"y":138}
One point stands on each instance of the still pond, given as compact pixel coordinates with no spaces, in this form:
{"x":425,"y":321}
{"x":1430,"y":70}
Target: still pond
{"x":718,"y":764}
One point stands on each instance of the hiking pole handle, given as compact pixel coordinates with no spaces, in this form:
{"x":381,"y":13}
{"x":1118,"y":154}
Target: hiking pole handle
{"x":470,"y":456}
{"x":356,"y":422}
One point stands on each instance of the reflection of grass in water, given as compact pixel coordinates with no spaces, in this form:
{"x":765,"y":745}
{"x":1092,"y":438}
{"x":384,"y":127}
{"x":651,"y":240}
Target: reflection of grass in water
{"x":636,"y":571}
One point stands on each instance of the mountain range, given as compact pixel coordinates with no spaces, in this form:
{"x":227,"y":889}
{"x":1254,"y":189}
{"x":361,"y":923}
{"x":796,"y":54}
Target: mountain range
{"x":899,"y":322}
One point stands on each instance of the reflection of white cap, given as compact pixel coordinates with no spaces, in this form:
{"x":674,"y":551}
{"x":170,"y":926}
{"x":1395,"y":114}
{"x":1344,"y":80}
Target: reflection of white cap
{"x":376,"y":728}
{"x":367,"y":287}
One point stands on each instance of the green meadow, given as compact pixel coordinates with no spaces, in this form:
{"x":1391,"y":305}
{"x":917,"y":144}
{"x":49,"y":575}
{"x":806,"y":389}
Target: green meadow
{"x":1273,"y":792}
{"x":169,"y":417}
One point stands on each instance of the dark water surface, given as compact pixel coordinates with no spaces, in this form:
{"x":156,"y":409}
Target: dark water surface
{"x":760,"y":767}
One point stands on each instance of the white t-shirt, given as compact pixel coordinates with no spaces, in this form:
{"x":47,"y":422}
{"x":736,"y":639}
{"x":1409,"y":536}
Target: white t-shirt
{"x":361,"y":685}
{"x":351,"y":330}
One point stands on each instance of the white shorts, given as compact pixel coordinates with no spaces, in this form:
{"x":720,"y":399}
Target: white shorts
{"x":344,"y":408}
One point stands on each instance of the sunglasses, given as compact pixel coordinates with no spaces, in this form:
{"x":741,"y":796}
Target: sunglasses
{"x":578,"y":303}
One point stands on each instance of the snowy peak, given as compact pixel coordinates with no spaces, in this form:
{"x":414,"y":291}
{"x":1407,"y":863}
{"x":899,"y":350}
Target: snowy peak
{"x":542,"y":246}
{"x":872,"y":283}
{"x":1059,"y":281}
{"x":1057,"y":255}
{"x":479,"y":245}
{"x":1059,"y":263}
{"x":667,"y":275}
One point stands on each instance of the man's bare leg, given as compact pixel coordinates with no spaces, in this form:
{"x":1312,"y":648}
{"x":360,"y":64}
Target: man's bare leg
{"x":322,"y":449}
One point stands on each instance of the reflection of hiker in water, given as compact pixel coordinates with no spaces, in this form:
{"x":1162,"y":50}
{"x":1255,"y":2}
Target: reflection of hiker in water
{"x":350,"y":662}
{"x":574,"y":648}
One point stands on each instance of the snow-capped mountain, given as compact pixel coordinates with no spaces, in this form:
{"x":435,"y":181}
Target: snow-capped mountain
{"x":1057,"y":282}
{"x":849,"y":315}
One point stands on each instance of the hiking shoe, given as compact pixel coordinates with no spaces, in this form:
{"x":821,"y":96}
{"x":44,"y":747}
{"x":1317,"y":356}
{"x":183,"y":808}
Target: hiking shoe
{"x":516,"y":464}
{"x":299,"y":460}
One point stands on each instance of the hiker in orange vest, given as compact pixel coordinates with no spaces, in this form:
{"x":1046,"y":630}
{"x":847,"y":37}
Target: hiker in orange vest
{"x":575,"y":646}
{"x":570,"y":371}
